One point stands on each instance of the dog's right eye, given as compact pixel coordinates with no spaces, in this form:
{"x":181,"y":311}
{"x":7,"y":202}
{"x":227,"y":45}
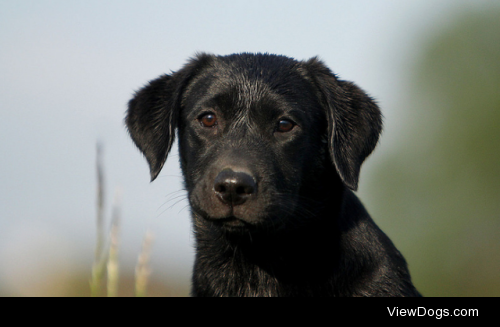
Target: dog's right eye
{"x":285,"y":125}
{"x":208,"y":120}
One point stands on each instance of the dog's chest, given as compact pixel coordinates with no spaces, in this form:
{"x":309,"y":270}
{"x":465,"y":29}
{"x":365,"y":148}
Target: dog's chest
{"x":237,"y":276}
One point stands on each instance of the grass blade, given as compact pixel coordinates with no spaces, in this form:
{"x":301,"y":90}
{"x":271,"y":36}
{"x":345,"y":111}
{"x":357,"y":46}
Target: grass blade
{"x":99,"y":259}
{"x":142,"y":269}
{"x":112,"y":265}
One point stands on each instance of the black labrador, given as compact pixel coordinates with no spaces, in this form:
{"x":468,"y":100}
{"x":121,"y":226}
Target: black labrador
{"x":271,"y":150}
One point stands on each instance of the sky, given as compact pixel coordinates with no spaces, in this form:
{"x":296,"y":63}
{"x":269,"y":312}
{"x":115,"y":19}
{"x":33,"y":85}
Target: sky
{"x":68,"y":69}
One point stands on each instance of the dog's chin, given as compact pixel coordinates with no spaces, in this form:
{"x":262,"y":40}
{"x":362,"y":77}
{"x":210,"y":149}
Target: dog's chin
{"x":229,"y":219}
{"x":237,"y":225}
{"x":232,"y":224}
{"x":242,"y":219}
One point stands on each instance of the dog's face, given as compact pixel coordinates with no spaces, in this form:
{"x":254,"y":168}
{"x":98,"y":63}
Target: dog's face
{"x":248,"y":132}
{"x":258,"y":135}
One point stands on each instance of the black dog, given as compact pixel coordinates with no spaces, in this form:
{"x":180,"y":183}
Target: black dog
{"x":271,"y":149}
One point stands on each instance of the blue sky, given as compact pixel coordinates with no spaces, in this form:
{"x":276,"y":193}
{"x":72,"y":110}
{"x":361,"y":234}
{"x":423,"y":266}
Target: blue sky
{"x":68,"y":68}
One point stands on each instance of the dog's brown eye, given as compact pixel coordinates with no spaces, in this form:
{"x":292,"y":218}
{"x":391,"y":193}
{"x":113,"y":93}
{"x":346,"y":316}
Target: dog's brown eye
{"x":208,"y":120}
{"x":285,"y":125}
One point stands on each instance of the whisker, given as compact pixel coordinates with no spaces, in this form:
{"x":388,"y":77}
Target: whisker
{"x":170,"y":207}
{"x":186,"y":206}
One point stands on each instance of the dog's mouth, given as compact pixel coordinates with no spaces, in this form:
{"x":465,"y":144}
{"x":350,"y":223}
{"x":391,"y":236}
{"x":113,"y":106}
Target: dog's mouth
{"x":230,"y":223}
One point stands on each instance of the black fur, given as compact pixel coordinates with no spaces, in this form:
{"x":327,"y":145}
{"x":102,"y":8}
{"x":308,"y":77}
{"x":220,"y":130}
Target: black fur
{"x":271,"y":150}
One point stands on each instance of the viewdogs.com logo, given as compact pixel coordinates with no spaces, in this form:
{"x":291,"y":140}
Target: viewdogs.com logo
{"x":437,"y":313}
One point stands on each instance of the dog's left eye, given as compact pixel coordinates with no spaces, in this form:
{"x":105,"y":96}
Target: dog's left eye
{"x":208,"y":120}
{"x":285,"y":125}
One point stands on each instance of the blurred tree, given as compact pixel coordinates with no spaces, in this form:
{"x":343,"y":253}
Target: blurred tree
{"x":438,"y":195}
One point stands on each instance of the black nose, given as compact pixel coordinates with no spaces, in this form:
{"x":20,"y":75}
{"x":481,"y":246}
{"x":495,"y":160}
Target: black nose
{"x":234,"y":188}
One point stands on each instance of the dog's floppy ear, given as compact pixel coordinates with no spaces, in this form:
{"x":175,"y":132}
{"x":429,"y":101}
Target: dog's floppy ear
{"x":354,"y":121}
{"x":153,"y":112}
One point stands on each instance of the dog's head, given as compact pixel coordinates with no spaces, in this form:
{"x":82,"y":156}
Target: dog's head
{"x":258,"y":134}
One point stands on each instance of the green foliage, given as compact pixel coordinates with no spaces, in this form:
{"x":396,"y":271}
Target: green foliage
{"x":441,"y":187}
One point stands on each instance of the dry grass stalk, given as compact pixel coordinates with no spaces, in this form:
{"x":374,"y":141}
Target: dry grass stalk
{"x":142,"y":269}
{"x":113,"y":266}
{"x":99,"y":258}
